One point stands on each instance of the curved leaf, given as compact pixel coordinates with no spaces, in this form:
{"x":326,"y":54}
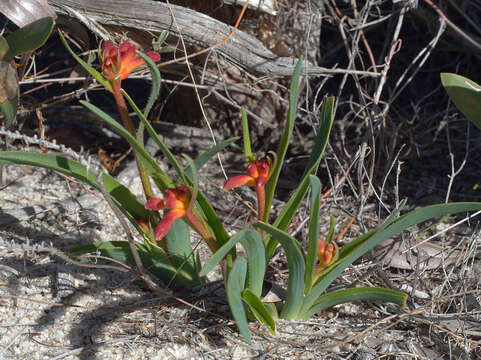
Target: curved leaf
{"x":286,"y":136}
{"x":252,"y":242}
{"x":154,"y":169}
{"x":289,"y":210}
{"x":311,"y":257}
{"x":163,"y":148}
{"x":153,"y":259}
{"x":180,"y":250}
{"x":154,"y":92}
{"x":123,"y":198}
{"x":390,"y":219}
{"x":195,"y":177}
{"x":356,"y":294}
{"x":29,"y":37}
{"x":97,"y":75}
{"x":465,"y":94}
{"x":260,"y":311}
{"x":296,"y":266}
{"x":376,"y":236}
{"x":234,"y":287}
{"x":246,"y":137}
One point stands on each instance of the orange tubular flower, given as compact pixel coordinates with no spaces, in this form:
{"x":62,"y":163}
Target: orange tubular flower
{"x":119,"y":62}
{"x":258,"y":172}
{"x":179,"y":202}
{"x":325,"y":254}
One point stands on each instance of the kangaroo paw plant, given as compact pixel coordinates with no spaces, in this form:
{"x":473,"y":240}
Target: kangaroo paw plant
{"x":170,"y":207}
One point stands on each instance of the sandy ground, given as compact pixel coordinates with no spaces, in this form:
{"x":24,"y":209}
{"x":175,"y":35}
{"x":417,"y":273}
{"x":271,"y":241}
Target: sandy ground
{"x":51,"y":309}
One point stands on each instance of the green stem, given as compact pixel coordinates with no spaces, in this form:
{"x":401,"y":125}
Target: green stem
{"x":128,"y":124}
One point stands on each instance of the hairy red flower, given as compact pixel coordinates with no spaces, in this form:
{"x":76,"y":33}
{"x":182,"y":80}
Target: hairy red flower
{"x":258,"y":172}
{"x":177,"y":200}
{"x":119,"y":62}
{"x":257,"y":175}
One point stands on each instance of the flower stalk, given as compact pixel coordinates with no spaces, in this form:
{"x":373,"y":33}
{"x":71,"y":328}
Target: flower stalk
{"x":117,"y":64}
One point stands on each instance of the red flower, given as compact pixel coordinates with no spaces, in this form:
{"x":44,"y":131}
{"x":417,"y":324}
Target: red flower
{"x":177,"y":201}
{"x":119,"y":62}
{"x":258,"y":172}
{"x":257,"y":175}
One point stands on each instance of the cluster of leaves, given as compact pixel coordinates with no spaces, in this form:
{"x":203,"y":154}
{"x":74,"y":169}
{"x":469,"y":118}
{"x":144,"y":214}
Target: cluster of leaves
{"x":172,"y":258}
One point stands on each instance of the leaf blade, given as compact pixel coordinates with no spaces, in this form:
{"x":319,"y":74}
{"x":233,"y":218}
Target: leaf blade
{"x":234,"y":287}
{"x":375,"y":237}
{"x":356,"y":294}
{"x":465,"y":94}
{"x":261,"y":313}
{"x":296,"y":266}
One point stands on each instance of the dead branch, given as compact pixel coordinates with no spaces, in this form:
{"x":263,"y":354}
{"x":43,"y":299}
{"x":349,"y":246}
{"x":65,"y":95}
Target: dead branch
{"x":242,"y":50}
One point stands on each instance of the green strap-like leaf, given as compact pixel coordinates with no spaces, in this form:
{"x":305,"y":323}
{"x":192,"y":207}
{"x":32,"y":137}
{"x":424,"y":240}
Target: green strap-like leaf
{"x":234,"y":288}
{"x":259,"y":310}
{"x":356,"y":294}
{"x":252,"y":242}
{"x":123,"y":198}
{"x":466,"y":95}
{"x":98,"y":76}
{"x":348,"y":248}
{"x":153,"y":259}
{"x":286,"y":136}
{"x":29,"y":37}
{"x":195,"y":177}
{"x":246,"y":137}
{"x":289,"y":210}
{"x":296,"y":266}
{"x":180,"y":250}
{"x":163,"y":148}
{"x":144,"y":156}
{"x":311,"y":258}
{"x":154,"y":92}
{"x":375,"y":237}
